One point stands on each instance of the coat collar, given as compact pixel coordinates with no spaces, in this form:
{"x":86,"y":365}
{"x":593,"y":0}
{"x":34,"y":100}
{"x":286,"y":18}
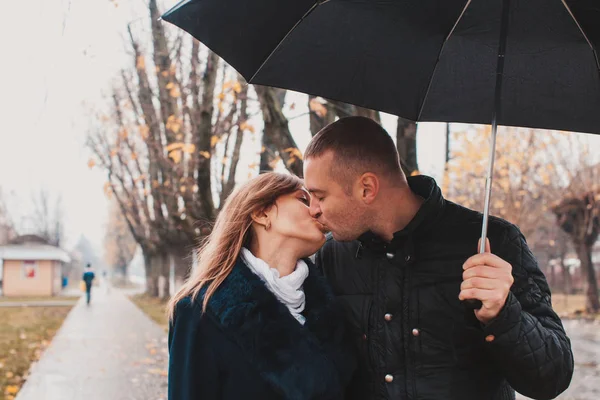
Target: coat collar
{"x":300,"y":362}
{"x":427,"y":188}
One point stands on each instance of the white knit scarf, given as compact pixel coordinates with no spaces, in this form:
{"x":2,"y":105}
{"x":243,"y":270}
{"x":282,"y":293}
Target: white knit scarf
{"x":287,"y":289}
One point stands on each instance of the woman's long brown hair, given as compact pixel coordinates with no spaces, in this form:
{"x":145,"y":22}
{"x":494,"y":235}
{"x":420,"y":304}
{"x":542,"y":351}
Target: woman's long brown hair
{"x":218,"y":253}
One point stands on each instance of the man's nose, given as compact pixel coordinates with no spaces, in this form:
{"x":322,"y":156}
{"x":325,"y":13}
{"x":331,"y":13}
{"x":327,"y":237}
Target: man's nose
{"x":314,"y":210}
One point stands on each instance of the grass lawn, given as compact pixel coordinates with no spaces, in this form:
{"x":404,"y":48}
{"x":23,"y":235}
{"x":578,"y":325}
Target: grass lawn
{"x":25,"y":332}
{"x":153,"y":307}
{"x":18,"y":299}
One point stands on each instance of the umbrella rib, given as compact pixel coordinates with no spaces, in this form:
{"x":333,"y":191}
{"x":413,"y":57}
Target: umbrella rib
{"x":437,"y":61}
{"x":583,"y":33}
{"x":314,"y":6}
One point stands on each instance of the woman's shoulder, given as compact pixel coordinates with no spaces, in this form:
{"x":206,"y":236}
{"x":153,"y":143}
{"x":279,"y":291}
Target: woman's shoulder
{"x":188,"y":307}
{"x":190,"y":319}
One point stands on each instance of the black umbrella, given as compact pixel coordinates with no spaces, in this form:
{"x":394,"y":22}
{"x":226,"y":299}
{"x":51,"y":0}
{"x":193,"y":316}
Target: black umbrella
{"x":526,"y":63}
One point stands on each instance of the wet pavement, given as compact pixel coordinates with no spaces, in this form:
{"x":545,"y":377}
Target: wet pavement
{"x":109,"y":350}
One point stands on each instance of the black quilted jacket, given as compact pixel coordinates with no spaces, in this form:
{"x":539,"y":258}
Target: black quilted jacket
{"x":414,"y":337}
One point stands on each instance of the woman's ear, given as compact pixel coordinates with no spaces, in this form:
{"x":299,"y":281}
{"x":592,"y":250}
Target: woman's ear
{"x":261,"y":217}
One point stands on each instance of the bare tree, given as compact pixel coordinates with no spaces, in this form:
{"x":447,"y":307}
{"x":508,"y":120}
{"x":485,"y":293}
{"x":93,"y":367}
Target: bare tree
{"x":7,"y":229}
{"x":170,"y":144}
{"x":47,"y":219}
{"x":578,"y":214}
{"x":119,"y":244}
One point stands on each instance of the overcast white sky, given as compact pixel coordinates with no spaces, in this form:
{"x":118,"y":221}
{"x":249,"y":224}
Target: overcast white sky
{"x":58,"y":55}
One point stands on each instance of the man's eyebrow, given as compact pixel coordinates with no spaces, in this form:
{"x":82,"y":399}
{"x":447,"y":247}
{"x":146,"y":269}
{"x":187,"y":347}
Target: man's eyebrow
{"x":311,"y":191}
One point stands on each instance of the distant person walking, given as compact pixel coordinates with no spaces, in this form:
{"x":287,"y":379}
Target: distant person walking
{"x":88,"y":278}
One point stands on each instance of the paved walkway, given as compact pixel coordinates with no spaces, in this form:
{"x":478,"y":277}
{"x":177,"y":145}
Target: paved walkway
{"x":108,"y":350}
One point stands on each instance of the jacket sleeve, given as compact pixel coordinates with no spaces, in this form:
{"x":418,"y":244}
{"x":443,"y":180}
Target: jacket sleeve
{"x":193,"y":368}
{"x":530,"y":345}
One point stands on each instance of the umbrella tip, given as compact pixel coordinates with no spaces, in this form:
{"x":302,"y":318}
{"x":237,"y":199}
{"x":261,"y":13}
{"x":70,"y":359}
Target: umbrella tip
{"x":159,"y":19}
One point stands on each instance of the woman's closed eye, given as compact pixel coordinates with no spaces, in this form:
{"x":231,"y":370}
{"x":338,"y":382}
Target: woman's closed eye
{"x":304,"y":200}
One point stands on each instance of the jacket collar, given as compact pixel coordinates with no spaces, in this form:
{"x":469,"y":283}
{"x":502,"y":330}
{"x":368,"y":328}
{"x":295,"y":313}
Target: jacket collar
{"x":427,"y":188}
{"x":299,"y":362}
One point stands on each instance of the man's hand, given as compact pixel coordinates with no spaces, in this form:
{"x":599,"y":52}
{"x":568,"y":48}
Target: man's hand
{"x":488,"y":278}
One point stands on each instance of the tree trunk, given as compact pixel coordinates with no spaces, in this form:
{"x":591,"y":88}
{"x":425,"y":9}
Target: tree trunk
{"x":365,"y":112}
{"x":567,"y":287}
{"x":318,"y":122}
{"x":406,"y":143}
{"x":162,"y":266}
{"x":584,"y":252}
{"x":182,"y":261}
{"x":277,"y":131}
{"x":151,"y":276}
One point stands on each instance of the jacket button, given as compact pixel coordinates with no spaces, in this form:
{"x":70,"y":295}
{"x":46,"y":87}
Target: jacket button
{"x":490,"y":338}
{"x":389,"y":378}
{"x":415,"y":332}
{"x":364,"y":336}
{"x":407,"y":258}
{"x":389,"y":255}
{"x":387,"y":317}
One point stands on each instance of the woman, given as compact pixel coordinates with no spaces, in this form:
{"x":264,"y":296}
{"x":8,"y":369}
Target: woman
{"x":255,"y":321}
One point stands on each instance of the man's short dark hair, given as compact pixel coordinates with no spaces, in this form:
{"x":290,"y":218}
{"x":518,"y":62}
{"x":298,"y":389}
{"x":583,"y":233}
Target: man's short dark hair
{"x":359,"y":145}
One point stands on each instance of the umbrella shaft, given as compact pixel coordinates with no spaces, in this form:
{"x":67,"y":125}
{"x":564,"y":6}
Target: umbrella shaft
{"x":495,"y":116}
{"x":488,"y":187}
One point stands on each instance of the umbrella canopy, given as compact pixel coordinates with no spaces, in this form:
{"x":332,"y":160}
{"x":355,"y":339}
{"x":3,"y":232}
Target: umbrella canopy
{"x":425,"y":60}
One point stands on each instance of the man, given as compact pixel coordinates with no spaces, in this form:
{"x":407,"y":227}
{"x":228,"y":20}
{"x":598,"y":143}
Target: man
{"x":402,"y":260}
{"x":88,"y":278}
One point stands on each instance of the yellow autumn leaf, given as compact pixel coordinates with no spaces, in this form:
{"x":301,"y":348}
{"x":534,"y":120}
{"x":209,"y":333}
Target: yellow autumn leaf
{"x":140,"y":63}
{"x":175,"y":92}
{"x":205,"y":154}
{"x":415,"y":173}
{"x":91,"y":163}
{"x":189,"y":148}
{"x":174,"y":146}
{"x":294,"y":152}
{"x":175,"y":156}
{"x":213,"y":141}
{"x":290,"y":161}
{"x":170,"y":85}
{"x":123,"y":133}
{"x":144,"y":131}
{"x":134,"y":156}
{"x":11,"y":389}
{"x":237,"y":87}
{"x":221,"y":96}
{"x":9,"y":374}
{"x":165,"y":73}
{"x":183,"y":189}
{"x":245,"y":126}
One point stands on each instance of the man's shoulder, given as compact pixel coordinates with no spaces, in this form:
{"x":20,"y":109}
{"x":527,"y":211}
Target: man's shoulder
{"x":456,"y":215}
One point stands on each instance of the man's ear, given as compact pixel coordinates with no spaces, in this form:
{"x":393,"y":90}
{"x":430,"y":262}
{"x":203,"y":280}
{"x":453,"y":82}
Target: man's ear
{"x":369,"y":187}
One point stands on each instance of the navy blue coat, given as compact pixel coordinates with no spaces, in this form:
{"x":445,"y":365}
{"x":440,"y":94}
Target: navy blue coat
{"x":248,"y":346}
